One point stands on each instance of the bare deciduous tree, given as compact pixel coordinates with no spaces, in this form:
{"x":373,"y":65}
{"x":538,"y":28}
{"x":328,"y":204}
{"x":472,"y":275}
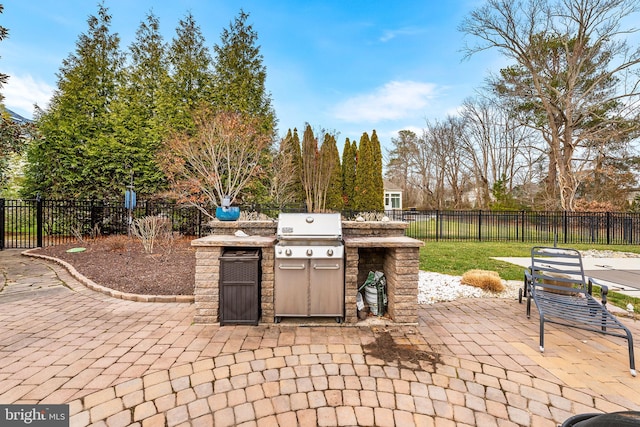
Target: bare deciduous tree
{"x":494,"y":143}
{"x":218,"y":161}
{"x":574,"y":74}
{"x":285,"y":175}
{"x":401,"y":164}
{"x":452,"y":174}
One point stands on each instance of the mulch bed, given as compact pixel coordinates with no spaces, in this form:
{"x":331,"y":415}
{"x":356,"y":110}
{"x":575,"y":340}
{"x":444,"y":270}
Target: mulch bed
{"x":120,"y":263}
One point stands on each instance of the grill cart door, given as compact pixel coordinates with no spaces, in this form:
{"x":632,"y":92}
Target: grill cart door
{"x":292,"y":293}
{"x":326,"y":287}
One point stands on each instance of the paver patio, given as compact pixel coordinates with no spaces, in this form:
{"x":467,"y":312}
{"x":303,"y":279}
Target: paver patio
{"x":468,"y":362}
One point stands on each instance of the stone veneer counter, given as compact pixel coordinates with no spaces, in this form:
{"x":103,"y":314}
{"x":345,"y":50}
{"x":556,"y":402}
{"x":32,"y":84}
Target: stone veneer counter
{"x":221,"y":240}
{"x":207,"y":289}
{"x":398,"y":257}
{"x":378,"y":246}
{"x":382,"y":241}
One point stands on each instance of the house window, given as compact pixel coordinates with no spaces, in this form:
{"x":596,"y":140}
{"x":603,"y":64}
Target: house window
{"x":393,"y":200}
{"x":396,"y":201}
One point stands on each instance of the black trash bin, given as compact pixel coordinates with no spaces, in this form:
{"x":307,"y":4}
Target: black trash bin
{"x":240,"y":286}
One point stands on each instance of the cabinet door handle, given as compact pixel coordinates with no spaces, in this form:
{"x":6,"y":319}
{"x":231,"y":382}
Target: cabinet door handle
{"x":291,"y":267}
{"x":326,"y":267}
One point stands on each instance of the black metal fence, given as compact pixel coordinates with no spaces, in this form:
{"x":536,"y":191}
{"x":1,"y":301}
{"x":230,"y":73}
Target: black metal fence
{"x":608,"y":228}
{"x":39,"y":223}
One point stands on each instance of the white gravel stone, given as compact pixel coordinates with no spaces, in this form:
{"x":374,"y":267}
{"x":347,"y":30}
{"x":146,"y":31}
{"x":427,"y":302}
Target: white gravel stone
{"x":594,"y":253}
{"x":437,"y":287}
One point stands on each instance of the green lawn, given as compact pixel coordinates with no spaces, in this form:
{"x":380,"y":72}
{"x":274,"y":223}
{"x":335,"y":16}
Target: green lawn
{"x":455,"y":258}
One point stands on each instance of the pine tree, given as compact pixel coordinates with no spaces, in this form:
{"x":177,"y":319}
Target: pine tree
{"x":139,"y":132}
{"x":333,"y":199}
{"x":377,"y":201}
{"x":239,"y":86}
{"x":71,"y":156}
{"x":190,"y":79}
{"x":309,"y":170}
{"x":297,"y":157}
{"x":349,"y":154}
{"x":364,"y":186}
{"x":239,"y":83}
{"x":13,"y":136}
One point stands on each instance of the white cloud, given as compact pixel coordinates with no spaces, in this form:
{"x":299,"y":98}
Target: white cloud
{"x":22,"y":92}
{"x":395,"y":100}
{"x":392,"y":34}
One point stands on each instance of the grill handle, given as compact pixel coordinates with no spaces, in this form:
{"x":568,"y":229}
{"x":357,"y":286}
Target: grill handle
{"x":291,"y":267}
{"x":326,"y":267}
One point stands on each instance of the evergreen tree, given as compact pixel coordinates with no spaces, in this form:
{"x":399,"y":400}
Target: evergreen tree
{"x":309,"y":170}
{"x":239,"y":83}
{"x":364,"y":185}
{"x":377,"y":200}
{"x":190,"y":79}
{"x":331,"y":167}
{"x":69,"y":158}
{"x":13,"y":136}
{"x":291,"y":167}
{"x":239,"y":86}
{"x":349,"y":154}
{"x":138,"y":130}
{"x":297,"y":157}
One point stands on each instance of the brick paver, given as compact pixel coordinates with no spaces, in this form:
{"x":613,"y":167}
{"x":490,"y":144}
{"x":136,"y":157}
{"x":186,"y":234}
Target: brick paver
{"x":119,"y":362}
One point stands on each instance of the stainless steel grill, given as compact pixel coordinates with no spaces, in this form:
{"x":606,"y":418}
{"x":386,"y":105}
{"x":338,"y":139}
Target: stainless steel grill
{"x":309,"y":267}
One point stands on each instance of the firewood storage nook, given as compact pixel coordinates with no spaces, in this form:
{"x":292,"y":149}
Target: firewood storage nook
{"x":369,"y":246}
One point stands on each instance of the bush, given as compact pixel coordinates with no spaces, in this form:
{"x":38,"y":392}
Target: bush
{"x":484,"y":279}
{"x":150,"y":229}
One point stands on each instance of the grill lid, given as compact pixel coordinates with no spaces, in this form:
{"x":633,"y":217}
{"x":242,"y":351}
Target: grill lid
{"x":309,"y":226}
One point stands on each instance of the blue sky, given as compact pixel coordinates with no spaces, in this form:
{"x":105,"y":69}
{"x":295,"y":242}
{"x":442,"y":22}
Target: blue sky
{"x":341,"y":65}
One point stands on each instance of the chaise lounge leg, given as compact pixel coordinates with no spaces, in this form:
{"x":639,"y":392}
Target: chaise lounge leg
{"x":632,"y":360}
{"x":541,"y":334}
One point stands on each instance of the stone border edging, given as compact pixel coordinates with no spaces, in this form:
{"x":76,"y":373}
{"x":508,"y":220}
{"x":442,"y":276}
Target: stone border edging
{"x":108,"y":291}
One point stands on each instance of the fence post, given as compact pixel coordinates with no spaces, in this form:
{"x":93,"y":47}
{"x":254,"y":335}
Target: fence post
{"x":480,"y":226}
{"x":437,"y":225}
{"x":93,"y":214}
{"x":1,"y":224}
{"x":565,"y":226}
{"x":523,"y":225}
{"x":608,"y":228}
{"x":39,"y":222}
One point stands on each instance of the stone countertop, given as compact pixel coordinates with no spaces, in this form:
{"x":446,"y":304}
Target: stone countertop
{"x":375,"y":225}
{"x":234,"y":241}
{"x":265,"y":241}
{"x":382,"y":241}
{"x":232,"y":225}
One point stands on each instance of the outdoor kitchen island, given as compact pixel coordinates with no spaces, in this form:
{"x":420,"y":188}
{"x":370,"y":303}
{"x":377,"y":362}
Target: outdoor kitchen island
{"x":369,"y":246}
{"x":382,"y":246}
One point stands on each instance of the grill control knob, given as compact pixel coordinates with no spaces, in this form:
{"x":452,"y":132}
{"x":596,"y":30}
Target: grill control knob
{"x":287,"y":252}
{"x":309,"y":252}
{"x":329,"y":252}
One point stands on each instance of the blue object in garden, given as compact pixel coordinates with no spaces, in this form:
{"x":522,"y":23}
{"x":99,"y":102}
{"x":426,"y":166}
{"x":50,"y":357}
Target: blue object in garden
{"x":231,"y":213}
{"x":129,"y":199}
